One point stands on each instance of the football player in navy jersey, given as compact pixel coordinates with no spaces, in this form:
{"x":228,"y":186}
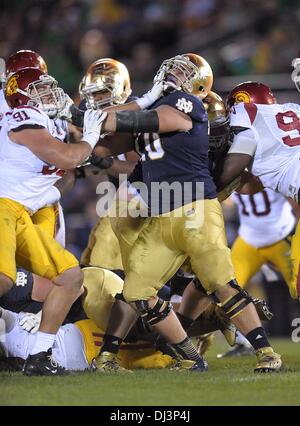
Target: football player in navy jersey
{"x":107,"y":83}
{"x":185,"y":223}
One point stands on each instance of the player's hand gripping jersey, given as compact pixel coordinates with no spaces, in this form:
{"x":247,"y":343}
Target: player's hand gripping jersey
{"x":23,"y":176}
{"x":271,"y":134}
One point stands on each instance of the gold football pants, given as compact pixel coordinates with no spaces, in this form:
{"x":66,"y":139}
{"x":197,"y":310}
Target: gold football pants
{"x":103,"y":248}
{"x":195,"y":231}
{"x":28,"y":245}
{"x":247,"y":260}
{"x":295,"y":259}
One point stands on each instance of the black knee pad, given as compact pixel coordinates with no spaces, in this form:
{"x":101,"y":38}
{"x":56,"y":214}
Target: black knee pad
{"x":153,"y":315}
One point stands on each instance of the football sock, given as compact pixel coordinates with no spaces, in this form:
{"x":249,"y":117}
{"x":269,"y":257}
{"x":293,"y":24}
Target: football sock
{"x":258,"y":338}
{"x":186,"y":350}
{"x":240,"y":339}
{"x":43,"y":342}
{"x":111,"y":344}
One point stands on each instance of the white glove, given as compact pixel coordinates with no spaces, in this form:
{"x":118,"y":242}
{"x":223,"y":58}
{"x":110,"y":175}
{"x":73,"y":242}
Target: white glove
{"x":65,"y":113}
{"x":31,"y":322}
{"x":150,"y":97}
{"x":92,"y":123}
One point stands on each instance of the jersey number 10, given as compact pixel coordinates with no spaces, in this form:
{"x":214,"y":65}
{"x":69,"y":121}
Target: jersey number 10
{"x":151,"y":148}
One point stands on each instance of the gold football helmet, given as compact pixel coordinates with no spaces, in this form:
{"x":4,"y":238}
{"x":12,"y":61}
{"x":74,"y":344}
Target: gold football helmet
{"x":215,"y":107}
{"x":188,"y":72}
{"x":218,"y":121}
{"x":109,"y":77}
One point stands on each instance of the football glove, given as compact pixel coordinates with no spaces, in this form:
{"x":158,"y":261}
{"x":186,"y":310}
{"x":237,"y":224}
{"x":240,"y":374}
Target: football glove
{"x":151,"y":96}
{"x":31,"y":322}
{"x":92,"y":123}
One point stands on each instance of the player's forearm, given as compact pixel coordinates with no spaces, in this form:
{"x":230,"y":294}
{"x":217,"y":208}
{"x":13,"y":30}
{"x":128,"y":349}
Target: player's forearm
{"x":130,"y":106}
{"x":229,"y":189}
{"x":48,"y":149}
{"x":70,"y":156}
{"x":121,"y":167}
{"x":114,"y":145}
{"x":66,"y":183}
{"x":164,"y":119}
{"x":234,"y":165}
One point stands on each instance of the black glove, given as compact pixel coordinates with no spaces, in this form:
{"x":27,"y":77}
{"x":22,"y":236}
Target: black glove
{"x":101,"y":163}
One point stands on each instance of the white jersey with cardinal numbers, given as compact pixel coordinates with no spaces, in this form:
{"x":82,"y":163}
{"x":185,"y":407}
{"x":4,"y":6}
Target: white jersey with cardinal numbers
{"x":273,"y":139}
{"x":265,"y":218}
{"x":23,"y":176}
{"x":68,"y":348}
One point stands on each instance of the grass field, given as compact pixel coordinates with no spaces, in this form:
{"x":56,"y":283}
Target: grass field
{"x":228,"y":382}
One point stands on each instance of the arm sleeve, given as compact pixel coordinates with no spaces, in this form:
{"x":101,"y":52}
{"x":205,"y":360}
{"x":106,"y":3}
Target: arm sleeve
{"x":244,"y":143}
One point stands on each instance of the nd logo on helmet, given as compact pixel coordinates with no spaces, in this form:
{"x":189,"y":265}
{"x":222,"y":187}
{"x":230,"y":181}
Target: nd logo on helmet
{"x":12,"y":86}
{"x":242,"y":96}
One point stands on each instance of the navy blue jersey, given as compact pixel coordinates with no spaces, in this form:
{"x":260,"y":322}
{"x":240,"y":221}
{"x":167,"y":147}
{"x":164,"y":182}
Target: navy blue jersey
{"x":178,"y":158}
{"x":18,"y":299}
{"x":137,"y":173}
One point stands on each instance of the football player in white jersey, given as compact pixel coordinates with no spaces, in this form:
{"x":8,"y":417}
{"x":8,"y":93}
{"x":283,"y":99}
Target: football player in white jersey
{"x":266,"y":141}
{"x":266,"y":224}
{"x":49,"y":215}
{"x":32,"y":159}
{"x":264,"y":236}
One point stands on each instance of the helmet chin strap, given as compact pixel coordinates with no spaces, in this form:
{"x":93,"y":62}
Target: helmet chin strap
{"x":169,"y":87}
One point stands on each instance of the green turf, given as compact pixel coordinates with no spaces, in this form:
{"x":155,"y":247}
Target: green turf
{"x":228,"y":382}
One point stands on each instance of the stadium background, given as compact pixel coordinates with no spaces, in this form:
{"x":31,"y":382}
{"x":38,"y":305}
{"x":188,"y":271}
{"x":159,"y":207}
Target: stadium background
{"x":241,"y":39}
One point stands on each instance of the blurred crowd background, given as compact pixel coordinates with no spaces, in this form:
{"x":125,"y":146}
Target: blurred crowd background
{"x":241,"y":39}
